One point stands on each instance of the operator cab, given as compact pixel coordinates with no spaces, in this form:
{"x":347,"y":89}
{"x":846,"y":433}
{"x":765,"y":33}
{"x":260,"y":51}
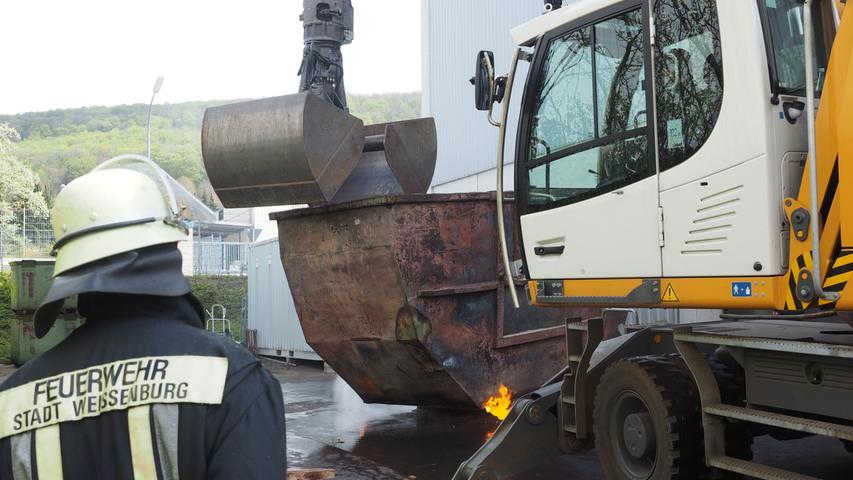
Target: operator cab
{"x":667,"y":151}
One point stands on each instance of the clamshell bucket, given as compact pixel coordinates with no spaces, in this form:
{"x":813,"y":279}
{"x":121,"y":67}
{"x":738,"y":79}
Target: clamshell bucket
{"x":282,"y":150}
{"x":398,"y":157}
{"x":299,"y":149}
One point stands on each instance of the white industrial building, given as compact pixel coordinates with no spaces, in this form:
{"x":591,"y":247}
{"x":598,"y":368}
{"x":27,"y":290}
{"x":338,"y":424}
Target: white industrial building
{"x":452,"y":32}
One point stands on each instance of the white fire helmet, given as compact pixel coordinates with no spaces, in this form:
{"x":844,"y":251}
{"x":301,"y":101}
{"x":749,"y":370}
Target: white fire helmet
{"x":112,"y":210}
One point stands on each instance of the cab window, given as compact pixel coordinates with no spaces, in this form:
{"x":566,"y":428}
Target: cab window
{"x":784,"y":22}
{"x":688,"y":77}
{"x":588,"y":125}
{"x":564,"y":104}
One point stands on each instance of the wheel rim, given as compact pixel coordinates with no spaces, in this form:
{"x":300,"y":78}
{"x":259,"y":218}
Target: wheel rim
{"x":633,"y":436}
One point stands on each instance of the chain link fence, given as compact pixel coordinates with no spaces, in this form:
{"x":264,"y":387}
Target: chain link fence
{"x":219,"y":258}
{"x":24,"y":234}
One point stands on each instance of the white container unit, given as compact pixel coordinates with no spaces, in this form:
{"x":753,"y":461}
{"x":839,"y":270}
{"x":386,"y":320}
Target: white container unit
{"x":271,"y":309}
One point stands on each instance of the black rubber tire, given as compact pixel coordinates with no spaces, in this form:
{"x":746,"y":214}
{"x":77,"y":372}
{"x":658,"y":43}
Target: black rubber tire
{"x":848,"y":446}
{"x":671,"y":401}
{"x":732,"y":385}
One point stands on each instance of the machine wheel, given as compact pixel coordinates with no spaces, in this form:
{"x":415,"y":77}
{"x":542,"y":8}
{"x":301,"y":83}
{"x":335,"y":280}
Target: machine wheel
{"x":647,"y":422}
{"x":730,"y":380}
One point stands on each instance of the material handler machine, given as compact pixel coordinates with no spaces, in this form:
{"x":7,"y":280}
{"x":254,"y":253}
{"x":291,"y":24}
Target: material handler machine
{"x":668,"y":156}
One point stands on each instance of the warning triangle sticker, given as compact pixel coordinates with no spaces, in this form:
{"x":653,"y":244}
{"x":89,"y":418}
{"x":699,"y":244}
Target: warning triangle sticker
{"x":669,"y":295}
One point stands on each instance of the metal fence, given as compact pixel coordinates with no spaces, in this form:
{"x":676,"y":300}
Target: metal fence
{"x":219,"y":258}
{"x":24,"y":234}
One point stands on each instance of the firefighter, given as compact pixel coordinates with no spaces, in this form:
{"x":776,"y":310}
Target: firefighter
{"x":141,"y":390}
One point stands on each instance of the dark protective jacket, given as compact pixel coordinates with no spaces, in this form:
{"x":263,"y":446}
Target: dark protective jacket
{"x":142,"y":391}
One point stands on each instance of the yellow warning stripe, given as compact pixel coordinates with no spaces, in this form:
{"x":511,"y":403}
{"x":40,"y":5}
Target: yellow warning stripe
{"x":845,"y":258}
{"x":790,"y":295}
{"x":839,"y":281}
{"x":48,"y":453}
{"x":792,"y":300}
{"x":141,"y":446}
{"x":836,"y":280}
{"x":808,"y":259}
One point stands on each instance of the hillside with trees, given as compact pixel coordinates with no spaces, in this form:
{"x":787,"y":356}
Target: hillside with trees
{"x":60,"y":145}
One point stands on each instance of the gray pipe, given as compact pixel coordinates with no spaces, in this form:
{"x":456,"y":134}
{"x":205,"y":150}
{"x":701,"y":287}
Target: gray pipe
{"x":500,"y":176}
{"x":808,"y":34}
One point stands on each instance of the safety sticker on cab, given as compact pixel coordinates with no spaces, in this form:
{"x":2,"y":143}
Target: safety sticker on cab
{"x":669,"y":295}
{"x":113,"y":386}
{"x":741,"y":289}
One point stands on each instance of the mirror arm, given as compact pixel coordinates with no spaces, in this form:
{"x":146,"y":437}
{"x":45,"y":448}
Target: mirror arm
{"x":500,"y":89}
{"x":491,"y":70}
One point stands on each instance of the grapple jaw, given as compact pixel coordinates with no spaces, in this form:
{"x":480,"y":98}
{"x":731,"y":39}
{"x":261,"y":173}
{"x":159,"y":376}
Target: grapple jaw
{"x":299,"y":149}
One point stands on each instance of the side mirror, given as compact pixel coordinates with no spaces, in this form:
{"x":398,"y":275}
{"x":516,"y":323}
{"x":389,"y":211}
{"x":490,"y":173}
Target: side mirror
{"x":484,"y":80}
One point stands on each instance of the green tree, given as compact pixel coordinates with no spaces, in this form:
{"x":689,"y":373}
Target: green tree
{"x":61,"y":145}
{"x":19,"y":188}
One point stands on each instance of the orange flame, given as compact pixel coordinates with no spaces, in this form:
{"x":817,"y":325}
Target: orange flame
{"x":499,"y":405}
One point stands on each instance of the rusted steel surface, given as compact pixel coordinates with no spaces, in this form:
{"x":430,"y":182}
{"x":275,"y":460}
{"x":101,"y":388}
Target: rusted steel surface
{"x":403,"y":297}
{"x":310,"y":473}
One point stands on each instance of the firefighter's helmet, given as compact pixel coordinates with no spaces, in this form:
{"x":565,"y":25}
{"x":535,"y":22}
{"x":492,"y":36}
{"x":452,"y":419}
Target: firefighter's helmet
{"x":113,"y":210}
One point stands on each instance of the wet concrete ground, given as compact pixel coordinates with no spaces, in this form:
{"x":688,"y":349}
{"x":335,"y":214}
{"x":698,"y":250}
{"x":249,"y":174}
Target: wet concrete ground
{"x":329,"y":426}
{"x":5,"y":371}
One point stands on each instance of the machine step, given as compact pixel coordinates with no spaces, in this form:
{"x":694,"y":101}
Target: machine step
{"x":756,"y":470}
{"x":577,"y":326}
{"x":815,"y":427}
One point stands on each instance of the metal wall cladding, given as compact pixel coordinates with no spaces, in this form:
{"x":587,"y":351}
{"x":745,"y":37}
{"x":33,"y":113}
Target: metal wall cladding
{"x":453,"y":32}
{"x":271,"y":309}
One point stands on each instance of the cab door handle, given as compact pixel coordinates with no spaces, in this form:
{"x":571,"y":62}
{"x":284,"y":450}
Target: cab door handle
{"x":544,"y":251}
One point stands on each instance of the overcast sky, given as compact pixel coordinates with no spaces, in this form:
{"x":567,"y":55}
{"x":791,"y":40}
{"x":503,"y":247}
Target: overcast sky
{"x":66,"y":54}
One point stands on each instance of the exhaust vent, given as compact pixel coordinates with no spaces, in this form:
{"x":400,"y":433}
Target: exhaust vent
{"x":715,"y":214}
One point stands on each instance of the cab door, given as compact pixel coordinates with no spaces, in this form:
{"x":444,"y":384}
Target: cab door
{"x":586,"y":176}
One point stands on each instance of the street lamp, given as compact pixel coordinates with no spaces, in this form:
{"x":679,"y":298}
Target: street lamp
{"x":157,"y":85}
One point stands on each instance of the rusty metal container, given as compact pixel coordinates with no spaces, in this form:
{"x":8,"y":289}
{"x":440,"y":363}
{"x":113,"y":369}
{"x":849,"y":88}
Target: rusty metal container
{"x":403,"y":297}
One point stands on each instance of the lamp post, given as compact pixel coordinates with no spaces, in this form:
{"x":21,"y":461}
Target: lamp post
{"x":157,"y":85}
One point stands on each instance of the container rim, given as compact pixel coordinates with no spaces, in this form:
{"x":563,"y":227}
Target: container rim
{"x":391,"y":200}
